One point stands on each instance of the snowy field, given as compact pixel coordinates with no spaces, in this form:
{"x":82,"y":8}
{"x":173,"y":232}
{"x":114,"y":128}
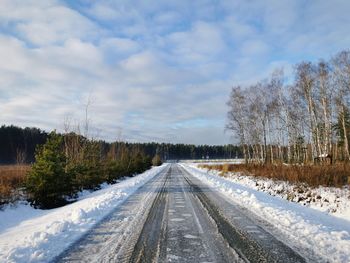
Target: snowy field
{"x":303,"y":226}
{"x":34,"y":235}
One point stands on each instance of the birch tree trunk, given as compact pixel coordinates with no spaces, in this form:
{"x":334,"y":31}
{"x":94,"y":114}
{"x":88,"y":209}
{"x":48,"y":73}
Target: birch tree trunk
{"x":346,"y":143}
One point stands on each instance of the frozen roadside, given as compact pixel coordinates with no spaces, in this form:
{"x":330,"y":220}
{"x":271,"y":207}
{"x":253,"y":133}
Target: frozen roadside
{"x":331,"y":200}
{"x":44,"y":234}
{"x":326,"y":235}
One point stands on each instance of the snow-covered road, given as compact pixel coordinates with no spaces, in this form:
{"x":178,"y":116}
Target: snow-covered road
{"x":175,"y":213}
{"x":176,"y":218}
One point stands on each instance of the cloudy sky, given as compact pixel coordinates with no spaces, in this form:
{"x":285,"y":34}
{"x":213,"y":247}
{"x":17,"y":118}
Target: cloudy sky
{"x":152,"y":70}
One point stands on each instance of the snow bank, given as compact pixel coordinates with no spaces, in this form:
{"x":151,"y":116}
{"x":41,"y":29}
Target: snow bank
{"x":213,"y":162}
{"x":326,"y":235}
{"x":332,"y":200}
{"x":33,"y":235}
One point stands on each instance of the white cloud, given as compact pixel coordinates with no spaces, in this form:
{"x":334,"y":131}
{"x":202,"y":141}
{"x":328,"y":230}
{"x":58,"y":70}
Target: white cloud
{"x":280,"y":16}
{"x":46,"y":22}
{"x":119,"y":46}
{"x":158,"y":71}
{"x":103,"y":11}
{"x":254,"y":48}
{"x":198,"y":45}
{"x":237,"y":30}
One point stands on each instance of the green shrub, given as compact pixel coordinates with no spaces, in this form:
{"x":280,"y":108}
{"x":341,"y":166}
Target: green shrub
{"x":54,"y":176}
{"x":138,"y":164}
{"x":112,"y":171}
{"x":87,"y":176}
{"x":156,"y":161}
{"x":47,"y":183}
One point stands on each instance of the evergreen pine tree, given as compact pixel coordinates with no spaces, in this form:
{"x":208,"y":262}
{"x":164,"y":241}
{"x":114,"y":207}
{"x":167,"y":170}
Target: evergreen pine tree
{"x":47,"y":183}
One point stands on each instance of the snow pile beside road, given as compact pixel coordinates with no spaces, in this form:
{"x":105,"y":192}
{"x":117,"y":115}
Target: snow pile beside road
{"x":40,"y":235}
{"x":213,"y":161}
{"x":302,"y":227}
{"x":335,"y":201}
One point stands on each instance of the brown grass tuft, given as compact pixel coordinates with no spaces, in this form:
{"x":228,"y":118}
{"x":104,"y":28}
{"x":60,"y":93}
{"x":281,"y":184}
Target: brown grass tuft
{"x":314,"y":175}
{"x":11,"y":180}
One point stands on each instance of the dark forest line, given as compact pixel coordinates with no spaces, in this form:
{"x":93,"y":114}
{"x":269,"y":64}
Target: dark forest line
{"x":17,"y":145}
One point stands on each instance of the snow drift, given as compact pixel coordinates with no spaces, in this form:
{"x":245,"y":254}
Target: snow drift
{"x":303,"y":227}
{"x":29,"y":235}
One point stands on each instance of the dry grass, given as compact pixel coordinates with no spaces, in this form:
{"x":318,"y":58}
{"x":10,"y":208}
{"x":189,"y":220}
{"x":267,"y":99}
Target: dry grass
{"x":11,"y":180}
{"x":314,"y":175}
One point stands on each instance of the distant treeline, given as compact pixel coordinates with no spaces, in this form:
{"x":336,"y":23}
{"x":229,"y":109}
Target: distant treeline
{"x":17,"y":145}
{"x":188,"y":151}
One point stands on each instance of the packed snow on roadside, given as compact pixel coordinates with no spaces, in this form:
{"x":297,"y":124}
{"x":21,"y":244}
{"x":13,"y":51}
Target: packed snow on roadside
{"x":328,"y":236}
{"x":213,"y":162}
{"x":34,"y":235}
{"x":331,"y":200}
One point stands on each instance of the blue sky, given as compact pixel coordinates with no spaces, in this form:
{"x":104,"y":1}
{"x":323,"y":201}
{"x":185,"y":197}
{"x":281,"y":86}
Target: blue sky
{"x":152,"y":70}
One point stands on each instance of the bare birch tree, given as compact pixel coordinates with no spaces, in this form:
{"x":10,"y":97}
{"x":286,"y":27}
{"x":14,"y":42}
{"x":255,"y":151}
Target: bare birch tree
{"x":341,"y":63}
{"x":237,"y":117}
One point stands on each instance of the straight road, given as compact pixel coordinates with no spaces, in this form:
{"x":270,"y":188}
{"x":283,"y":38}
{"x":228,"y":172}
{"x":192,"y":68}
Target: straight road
{"x":176,"y":218}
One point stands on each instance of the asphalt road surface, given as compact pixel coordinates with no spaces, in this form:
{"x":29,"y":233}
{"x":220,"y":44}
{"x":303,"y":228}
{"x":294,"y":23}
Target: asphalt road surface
{"x":176,"y":218}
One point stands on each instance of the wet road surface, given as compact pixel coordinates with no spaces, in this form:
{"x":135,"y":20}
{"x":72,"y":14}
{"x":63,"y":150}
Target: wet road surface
{"x":175,"y":218}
